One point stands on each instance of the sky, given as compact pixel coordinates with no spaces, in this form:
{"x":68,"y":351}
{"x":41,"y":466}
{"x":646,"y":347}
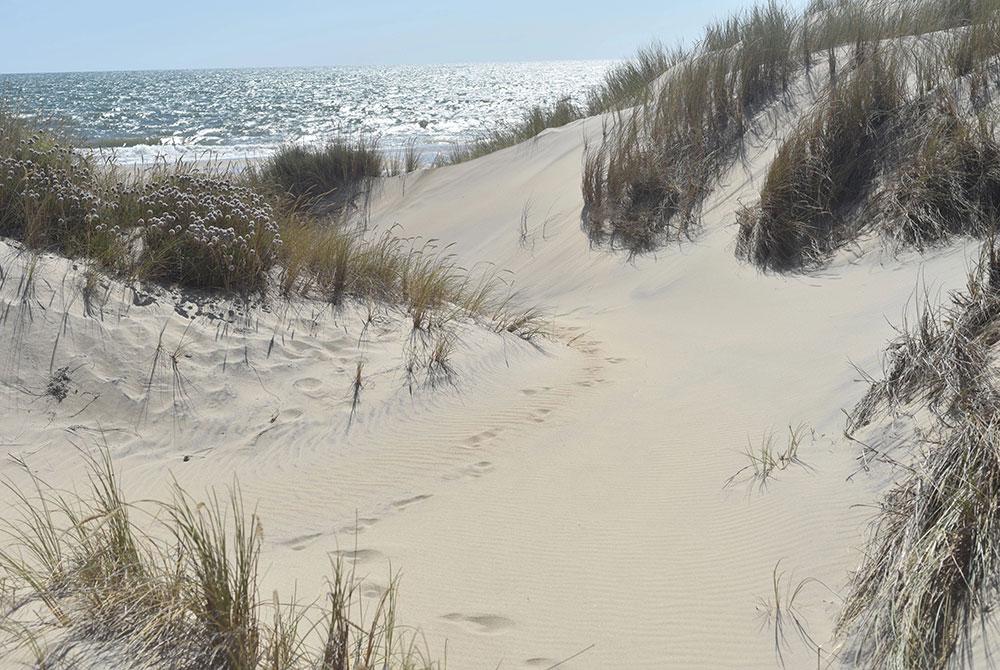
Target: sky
{"x":83,"y":35}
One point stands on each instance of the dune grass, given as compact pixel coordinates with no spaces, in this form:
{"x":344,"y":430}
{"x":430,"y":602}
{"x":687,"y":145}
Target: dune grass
{"x":623,"y":85}
{"x":768,"y":458}
{"x":334,"y":175}
{"x":178,"y":589}
{"x":628,"y":83}
{"x":644,"y":183}
{"x":927,"y":581}
{"x":533,"y":122}
{"x":645,"y":180}
{"x":335,"y":262}
{"x":948,"y":183}
{"x":823,"y":170}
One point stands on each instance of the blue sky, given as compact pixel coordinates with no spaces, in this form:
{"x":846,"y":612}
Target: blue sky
{"x":62,"y":35}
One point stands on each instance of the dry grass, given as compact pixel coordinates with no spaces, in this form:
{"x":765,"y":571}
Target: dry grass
{"x":645,"y":182}
{"x":944,"y":355}
{"x":948,"y":184}
{"x":190,"y":602}
{"x":823,"y":171}
{"x":336,"y":262}
{"x":928,"y":579}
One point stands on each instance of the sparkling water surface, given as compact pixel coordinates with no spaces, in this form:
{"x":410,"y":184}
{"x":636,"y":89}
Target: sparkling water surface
{"x":248,"y":113}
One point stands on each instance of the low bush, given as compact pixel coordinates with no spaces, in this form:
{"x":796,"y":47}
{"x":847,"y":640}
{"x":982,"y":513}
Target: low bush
{"x":206,"y":232}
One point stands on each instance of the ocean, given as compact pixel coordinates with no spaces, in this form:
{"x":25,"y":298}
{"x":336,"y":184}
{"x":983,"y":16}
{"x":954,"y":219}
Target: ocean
{"x":248,"y":113}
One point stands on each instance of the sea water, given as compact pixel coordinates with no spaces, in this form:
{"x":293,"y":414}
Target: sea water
{"x":248,"y":113}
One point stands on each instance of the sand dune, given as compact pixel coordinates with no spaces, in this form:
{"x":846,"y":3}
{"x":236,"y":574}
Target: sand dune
{"x":553,"y":498}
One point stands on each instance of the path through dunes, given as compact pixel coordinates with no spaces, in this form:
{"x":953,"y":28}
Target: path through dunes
{"x":609,"y":526}
{"x":563,"y":496}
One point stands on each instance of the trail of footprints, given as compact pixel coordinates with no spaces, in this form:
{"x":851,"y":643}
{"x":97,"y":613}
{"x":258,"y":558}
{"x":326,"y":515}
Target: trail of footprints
{"x":544,"y":402}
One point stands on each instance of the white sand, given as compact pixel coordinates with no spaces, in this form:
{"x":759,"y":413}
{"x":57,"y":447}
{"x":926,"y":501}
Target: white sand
{"x":556,"y":499}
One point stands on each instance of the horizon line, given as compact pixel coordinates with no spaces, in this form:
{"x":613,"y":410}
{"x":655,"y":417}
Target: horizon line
{"x":316,"y":67}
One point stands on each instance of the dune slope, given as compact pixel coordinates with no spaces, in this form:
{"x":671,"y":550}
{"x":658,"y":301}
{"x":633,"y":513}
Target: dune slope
{"x":552,"y":500}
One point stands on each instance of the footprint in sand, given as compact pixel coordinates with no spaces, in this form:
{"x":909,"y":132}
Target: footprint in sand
{"x":406,"y":502}
{"x":372,"y":590}
{"x":359,"y":556}
{"x":300,"y":542}
{"x":479,"y":469}
{"x":310,"y":387}
{"x":475,"y":470}
{"x":481,"y":623}
{"x":361,"y":524}
{"x":479,"y":438}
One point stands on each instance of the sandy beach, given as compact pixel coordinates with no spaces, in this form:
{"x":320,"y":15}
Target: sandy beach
{"x":578,"y":490}
{"x":550,"y":488}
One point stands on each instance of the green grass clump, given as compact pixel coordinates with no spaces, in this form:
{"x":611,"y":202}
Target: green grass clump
{"x":336,"y":174}
{"x":181,"y":592}
{"x":822,"y":171}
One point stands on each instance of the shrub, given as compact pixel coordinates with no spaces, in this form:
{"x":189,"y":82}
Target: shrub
{"x":197,"y":231}
{"x":49,"y":197}
{"x":206,"y":232}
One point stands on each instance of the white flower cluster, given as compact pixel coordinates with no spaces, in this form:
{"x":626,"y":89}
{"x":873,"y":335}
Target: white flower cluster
{"x":214,"y":222}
